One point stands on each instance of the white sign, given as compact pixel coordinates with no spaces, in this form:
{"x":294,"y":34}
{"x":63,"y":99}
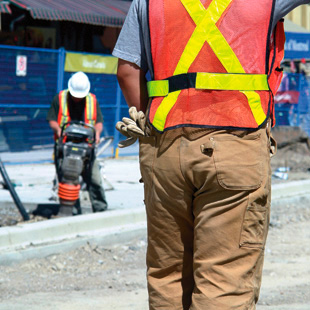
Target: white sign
{"x":294,"y":45}
{"x":21,"y":65}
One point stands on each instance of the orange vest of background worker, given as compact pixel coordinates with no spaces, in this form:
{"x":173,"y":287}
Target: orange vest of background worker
{"x":90,"y":112}
{"x":232,"y":87}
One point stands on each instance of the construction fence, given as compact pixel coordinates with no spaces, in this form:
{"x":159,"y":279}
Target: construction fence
{"x":292,"y":101}
{"x":31,"y":77}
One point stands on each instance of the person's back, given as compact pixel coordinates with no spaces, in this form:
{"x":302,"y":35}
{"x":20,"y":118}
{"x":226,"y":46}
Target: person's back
{"x":212,"y":81}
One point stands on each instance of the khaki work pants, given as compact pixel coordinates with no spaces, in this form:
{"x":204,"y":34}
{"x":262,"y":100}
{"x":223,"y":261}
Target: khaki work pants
{"x":208,"y":203}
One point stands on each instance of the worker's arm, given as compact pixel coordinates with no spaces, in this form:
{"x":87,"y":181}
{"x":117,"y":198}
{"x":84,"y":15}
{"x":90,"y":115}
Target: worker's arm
{"x":133,"y":84}
{"x":98,"y":129}
{"x":55,"y":127}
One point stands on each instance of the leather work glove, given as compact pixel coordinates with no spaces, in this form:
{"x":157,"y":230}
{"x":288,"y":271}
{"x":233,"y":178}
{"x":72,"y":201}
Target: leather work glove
{"x":133,"y":127}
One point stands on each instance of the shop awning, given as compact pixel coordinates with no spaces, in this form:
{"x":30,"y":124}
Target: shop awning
{"x":95,"y":12}
{"x":4,"y":7}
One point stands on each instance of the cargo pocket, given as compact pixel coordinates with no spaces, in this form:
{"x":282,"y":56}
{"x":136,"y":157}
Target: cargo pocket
{"x":238,"y":161}
{"x":253,"y":233}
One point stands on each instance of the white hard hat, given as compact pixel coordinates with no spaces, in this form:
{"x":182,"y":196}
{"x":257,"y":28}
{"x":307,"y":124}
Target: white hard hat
{"x":79,"y":85}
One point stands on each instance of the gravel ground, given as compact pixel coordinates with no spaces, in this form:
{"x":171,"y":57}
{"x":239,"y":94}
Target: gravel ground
{"x":95,"y":277}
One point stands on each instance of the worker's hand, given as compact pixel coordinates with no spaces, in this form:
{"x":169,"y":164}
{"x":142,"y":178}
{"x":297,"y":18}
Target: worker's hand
{"x":133,"y":127}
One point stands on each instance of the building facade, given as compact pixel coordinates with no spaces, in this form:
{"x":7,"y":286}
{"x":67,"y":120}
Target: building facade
{"x":301,"y":16}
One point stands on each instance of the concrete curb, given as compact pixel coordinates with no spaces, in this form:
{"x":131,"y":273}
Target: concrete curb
{"x":26,"y":240}
{"x":290,"y":189}
{"x":56,"y":230}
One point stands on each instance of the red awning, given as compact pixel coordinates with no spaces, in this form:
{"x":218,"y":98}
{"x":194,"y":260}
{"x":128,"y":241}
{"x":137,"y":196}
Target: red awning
{"x":95,"y":12}
{"x":4,"y":7}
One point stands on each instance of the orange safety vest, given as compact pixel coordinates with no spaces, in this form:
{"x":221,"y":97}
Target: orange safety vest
{"x":90,"y":113}
{"x":216,"y":63}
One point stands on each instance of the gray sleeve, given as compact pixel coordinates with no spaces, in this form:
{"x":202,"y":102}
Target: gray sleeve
{"x":133,"y":43}
{"x":283,"y":7}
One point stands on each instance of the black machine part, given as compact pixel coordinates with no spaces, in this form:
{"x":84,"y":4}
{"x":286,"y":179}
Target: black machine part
{"x":13,"y":193}
{"x":79,"y":132}
{"x":75,"y":151}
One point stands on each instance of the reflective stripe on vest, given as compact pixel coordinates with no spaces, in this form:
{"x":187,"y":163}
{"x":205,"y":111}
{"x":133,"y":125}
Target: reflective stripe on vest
{"x":236,"y":77}
{"x":63,"y":114}
{"x":90,"y":110}
{"x":203,"y":80}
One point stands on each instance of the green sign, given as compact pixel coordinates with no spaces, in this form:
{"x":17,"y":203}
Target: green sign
{"x":90,"y":63}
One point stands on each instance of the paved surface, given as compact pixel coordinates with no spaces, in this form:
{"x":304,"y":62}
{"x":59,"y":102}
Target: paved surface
{"x":33,"y":183}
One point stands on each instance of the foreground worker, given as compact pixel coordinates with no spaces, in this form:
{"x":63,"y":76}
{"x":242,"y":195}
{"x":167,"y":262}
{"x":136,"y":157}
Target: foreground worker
{"x":77,"y":104}
{"x":205,"y":147}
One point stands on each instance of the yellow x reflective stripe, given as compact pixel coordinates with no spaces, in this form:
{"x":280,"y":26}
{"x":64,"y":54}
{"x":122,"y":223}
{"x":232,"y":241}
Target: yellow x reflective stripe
{"x":206,"y":30}
{"x":202,"y":18}
{"x":215,"y":81}
{"x":256,"y":106}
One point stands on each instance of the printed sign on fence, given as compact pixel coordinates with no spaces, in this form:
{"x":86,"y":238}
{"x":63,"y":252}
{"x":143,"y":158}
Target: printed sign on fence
{"x":90,"y":63}
{"x":21,"y":65}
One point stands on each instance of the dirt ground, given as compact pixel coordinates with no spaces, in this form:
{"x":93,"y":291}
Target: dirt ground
{"x":94,"y":277}
{"x":293,"y":152}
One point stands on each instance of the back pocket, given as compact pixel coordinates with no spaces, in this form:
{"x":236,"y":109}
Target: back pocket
{"x":238,"y":161}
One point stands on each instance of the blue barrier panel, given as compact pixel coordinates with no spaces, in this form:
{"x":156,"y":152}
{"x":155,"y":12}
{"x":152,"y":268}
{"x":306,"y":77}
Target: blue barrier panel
{"x":292,"y":101}
{"x":25,"y":96}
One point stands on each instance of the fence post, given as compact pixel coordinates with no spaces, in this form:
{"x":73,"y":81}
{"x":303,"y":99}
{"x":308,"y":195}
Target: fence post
{"x":117,"y":118}
{"x":61,"y":68}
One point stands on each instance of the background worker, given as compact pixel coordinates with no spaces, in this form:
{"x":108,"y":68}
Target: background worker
{"x":77,"y":104}
{"x":206,"y":162}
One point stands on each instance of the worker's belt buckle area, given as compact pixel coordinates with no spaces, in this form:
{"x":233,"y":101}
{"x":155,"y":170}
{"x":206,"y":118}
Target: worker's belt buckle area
{"x":182,"y":81}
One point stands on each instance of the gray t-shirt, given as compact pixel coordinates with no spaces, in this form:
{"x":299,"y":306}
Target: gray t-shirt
{"x":133,"y":43}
